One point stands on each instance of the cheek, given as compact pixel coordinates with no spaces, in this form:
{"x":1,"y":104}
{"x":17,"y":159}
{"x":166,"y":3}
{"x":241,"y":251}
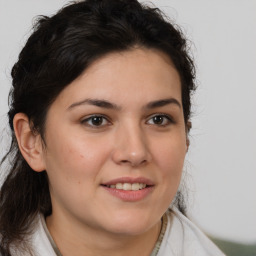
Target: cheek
{"x":170,"y":156}
{"x":73,"y":168}
{"x":170,"y":159}
{"x":74,"y":159}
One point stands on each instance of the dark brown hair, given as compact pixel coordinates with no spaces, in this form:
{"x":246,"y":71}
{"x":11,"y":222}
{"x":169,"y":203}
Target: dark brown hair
{"x":60,"y":48}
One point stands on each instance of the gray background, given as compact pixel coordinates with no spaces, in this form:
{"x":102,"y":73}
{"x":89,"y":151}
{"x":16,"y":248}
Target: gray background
{"x":221,"y":163}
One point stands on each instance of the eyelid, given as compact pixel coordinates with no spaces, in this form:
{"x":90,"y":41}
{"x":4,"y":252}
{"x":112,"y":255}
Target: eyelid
{"x":167,"y":116}
{"x":86,"y":119}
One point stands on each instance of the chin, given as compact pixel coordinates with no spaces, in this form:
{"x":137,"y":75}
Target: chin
{"x":131,"y":224}
{"x":130,"y":230}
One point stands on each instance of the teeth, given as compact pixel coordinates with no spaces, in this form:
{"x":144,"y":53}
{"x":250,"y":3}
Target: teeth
{"x":119,"y":186}
{"x":128,"y":186}
{"x":135,"y":186}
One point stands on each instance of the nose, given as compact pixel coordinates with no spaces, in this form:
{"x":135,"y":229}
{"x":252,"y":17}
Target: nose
{"x":131,"y":147}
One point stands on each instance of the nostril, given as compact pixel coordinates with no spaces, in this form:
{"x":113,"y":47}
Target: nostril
{"x":124,"y":161}
{"x":133,"y":162}
{"x":131,"y":154}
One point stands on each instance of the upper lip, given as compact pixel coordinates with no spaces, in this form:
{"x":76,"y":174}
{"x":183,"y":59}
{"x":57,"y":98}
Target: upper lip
{"x":129,"y":180}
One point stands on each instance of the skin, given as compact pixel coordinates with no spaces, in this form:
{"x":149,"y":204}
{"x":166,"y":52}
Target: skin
{"x":127,"y":141}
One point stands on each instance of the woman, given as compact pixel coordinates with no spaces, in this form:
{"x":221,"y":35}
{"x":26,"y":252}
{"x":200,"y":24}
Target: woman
{"x":99,"y":111}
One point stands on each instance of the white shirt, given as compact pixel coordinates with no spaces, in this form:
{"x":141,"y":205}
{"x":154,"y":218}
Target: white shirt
{"x":183,"y":238}
{"x":180,"y":237}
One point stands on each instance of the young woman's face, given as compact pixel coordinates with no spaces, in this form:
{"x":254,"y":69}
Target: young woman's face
{"x":116,"y":142}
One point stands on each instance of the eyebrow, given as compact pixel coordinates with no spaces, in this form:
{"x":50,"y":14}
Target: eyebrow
{"x":109,"y":105}
{"x":95,"y":102}
{"x":163,"y":102}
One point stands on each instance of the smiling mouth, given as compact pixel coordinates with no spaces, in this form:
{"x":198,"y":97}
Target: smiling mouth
{"x":129,"y":189}
{"x":128,"y":186}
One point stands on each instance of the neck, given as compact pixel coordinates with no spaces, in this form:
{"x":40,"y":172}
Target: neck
{"x":75,"y":239}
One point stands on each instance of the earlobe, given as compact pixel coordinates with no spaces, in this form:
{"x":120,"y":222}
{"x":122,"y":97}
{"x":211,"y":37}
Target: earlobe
{"x":187,"y":143}
{"x":29,"y":142}
{"x":188,"y":127}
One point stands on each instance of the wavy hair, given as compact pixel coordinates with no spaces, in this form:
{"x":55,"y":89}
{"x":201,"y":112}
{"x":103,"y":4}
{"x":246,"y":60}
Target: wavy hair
{"x":60,"y":48}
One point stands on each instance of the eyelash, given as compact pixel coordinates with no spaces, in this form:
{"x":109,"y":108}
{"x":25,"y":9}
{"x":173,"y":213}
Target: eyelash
{"x":90,"y":118}
{"x":168,"y":119}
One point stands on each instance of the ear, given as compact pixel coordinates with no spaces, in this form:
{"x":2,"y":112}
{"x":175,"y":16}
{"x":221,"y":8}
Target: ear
{"x":30,"y":143}
{"x":188,"y":127}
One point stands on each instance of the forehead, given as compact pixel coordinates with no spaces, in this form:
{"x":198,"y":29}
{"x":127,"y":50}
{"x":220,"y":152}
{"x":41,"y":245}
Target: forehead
{"x":128,"y":77}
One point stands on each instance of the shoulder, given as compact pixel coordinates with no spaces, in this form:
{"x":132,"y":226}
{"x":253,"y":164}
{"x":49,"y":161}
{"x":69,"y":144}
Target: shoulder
{"x":184,"y":238}
{"x":36,"y":244}
{"x":40,"y":239}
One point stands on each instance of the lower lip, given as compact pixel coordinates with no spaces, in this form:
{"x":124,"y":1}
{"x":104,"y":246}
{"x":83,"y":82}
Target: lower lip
{"x":130,"y":195}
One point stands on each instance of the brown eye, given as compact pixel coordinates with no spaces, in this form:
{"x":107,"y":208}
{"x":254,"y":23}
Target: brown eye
{"x":160,"y":120}
{"x":95,"y":121}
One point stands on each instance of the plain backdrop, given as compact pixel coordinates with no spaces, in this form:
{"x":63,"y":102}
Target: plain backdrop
{"x":221,"y":162}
